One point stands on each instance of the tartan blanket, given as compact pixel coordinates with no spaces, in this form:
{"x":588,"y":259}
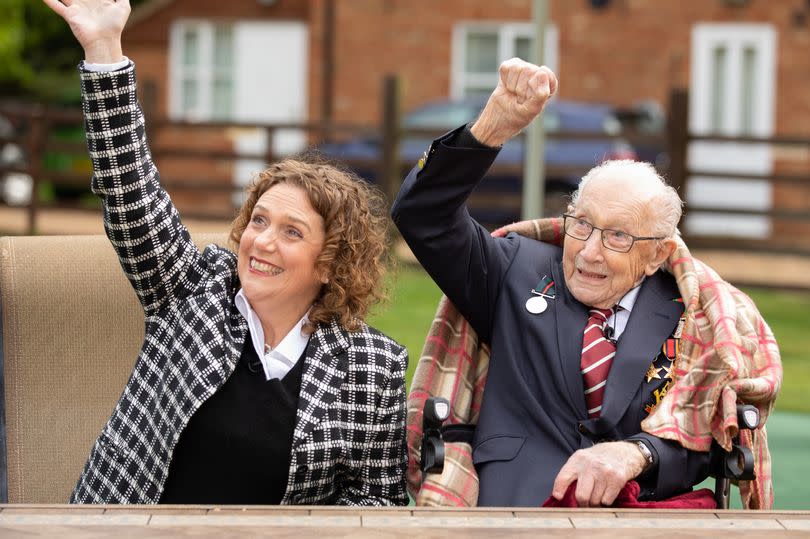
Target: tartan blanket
{"x":728,"y":354}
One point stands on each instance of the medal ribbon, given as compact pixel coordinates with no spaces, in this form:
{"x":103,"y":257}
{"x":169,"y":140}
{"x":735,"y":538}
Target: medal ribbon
{"x":545,"y":288}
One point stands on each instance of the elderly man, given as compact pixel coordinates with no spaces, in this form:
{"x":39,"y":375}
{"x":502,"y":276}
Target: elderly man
{"x":579,"y":336}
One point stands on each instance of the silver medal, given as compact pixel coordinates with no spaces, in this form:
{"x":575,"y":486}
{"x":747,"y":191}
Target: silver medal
{"x":536,"y":304}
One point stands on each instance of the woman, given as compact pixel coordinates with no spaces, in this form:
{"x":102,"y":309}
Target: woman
{"x":257,"y":381}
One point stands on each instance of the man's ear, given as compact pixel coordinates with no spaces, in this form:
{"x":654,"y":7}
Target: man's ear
{"x":663,"y":250}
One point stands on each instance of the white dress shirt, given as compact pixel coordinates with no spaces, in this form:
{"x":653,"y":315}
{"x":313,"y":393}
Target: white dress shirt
{"x":621,"y":313}
{"x":277,"y":361}
{"x":107,"y":67}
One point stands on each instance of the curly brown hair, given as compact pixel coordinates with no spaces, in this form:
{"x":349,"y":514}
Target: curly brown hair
{"x":356,"y":225}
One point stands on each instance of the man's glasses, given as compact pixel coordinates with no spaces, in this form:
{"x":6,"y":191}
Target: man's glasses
{"x":615,"y":240}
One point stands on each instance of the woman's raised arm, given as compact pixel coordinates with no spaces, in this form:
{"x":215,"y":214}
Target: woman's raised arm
{"x":97,"y":25}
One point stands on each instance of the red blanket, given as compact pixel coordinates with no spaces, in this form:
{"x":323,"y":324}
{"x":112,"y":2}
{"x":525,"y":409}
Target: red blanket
{"x":628,"y":497}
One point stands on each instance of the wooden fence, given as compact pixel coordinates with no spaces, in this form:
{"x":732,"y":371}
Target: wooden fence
{"x":38,"y":129}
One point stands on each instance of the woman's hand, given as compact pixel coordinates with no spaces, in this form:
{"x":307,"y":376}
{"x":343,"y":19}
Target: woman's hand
{"x":97,"y":25}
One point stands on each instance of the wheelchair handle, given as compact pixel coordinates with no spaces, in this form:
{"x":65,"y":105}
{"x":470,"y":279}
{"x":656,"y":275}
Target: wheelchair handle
{"x":434,"y":413}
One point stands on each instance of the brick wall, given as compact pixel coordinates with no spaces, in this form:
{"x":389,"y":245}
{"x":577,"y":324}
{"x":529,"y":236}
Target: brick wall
{"x":625,"y":52}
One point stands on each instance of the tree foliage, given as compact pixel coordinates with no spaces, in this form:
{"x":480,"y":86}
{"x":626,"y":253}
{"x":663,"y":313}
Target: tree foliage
{"x":38,"y":53}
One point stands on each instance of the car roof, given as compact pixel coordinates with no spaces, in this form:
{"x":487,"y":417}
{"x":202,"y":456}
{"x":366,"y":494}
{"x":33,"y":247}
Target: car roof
{"x":560,"y":114}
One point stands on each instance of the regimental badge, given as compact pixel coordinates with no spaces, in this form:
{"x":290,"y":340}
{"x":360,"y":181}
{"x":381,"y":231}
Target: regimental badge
{"x":660,"y":373}
{"x":422,"y":160}
{"x":652,"y":373}
{"x":658,"y":396}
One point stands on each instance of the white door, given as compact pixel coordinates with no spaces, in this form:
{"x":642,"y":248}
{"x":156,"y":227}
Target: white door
{"x":732,"y":93}
{"x":270,"y":70}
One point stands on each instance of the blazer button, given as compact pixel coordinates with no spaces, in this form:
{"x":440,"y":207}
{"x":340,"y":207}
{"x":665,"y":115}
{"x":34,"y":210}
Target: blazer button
{"x":582,"y":428}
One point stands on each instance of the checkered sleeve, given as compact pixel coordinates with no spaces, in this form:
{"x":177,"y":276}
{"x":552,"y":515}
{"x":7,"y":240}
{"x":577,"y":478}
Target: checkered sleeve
{"x":154,"y":248}
{"x":381,"y":479}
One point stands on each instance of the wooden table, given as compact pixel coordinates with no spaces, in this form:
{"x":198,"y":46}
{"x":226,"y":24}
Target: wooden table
{"x":122,"y":522}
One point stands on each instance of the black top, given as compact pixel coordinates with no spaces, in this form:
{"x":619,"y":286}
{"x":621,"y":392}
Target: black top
{"x":236,"y":448}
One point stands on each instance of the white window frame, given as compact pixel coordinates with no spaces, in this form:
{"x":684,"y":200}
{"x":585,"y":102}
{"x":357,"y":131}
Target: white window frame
{"x":508,"y":32}
{"x":728,"y":157}
{"x":204,"y":73}
{"x":707,"y":37}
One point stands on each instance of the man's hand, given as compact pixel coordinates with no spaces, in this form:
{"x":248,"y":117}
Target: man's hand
{"x":522,"y":91}
{"x":97,"y":25}
{"x":600,"y":472}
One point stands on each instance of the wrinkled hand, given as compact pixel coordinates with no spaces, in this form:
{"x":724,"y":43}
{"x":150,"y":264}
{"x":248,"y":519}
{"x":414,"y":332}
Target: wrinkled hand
{"x":522,"y":91}
{"x":600,"y":472}
{"x":97,"y":25}
{"x":526,"y":228}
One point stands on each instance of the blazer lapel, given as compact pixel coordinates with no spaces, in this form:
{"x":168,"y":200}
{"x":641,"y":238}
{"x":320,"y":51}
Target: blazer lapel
{"x":325,"y":367}
{"x":571,"y":318}
{"x":651,"y":322}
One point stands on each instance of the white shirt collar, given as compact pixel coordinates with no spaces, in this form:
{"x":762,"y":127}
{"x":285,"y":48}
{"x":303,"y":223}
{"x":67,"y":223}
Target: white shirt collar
{"x":278,"y":361}
{"x":629,"y":299}
{"x":618,"y":321}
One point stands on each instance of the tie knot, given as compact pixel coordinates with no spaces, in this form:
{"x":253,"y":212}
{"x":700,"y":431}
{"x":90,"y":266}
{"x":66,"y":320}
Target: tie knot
{"x":600,"y":316}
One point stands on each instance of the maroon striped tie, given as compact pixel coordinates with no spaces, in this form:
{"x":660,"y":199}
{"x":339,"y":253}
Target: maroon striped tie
{"x":597,"y":356}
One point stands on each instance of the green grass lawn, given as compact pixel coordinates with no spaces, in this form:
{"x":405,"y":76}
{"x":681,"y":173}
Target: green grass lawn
{"x":786,"y":313}
{"x":414,"y":296}
{"x":408,"y":314}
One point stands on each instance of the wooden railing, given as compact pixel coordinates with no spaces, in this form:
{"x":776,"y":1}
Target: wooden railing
{"x":790,"y":224}
{"x":39,"y":128}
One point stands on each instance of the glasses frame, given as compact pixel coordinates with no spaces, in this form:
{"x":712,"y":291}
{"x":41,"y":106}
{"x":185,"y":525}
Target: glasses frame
{"x":567,"y":216}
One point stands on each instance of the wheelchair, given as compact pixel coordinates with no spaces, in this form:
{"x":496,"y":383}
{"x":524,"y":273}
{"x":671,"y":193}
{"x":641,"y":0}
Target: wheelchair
{"x":726,"y":466}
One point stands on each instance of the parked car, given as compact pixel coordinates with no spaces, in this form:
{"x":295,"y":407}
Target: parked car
{"x":497,"y":199}
{"x":648,"y":121}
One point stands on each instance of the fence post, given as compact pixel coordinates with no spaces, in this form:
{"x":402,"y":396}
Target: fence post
{"x":678,"y":138}
{"x":328,"y":55}
{"x":269,"y":151}
{"x":35,"y":146}
{"x":390,"y":169}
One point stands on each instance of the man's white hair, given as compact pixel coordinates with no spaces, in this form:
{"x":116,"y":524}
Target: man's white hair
{"x":667,"y":206}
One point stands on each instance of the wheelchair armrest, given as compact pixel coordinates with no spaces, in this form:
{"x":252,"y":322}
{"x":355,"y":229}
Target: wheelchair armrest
{"x":737,"y":464}
{"x":434,"y":413}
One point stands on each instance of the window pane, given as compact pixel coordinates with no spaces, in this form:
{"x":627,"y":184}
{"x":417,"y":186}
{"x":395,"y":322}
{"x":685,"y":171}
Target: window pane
{"x":222,"y":99}
{"x":223,"y":47}
{"x":718,"y":88}
{"x":748,"y":81}
{"x":481,"y":53}
{"x":191,"y":47}
{"x":523,"y":48}
{"x":190,"y":96}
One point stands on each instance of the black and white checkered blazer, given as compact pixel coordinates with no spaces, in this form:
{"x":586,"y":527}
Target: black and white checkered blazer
{"x":348,"y":444}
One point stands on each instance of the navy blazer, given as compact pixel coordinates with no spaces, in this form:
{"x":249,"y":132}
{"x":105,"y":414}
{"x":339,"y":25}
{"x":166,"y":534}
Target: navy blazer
{"x":533,"y":415}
